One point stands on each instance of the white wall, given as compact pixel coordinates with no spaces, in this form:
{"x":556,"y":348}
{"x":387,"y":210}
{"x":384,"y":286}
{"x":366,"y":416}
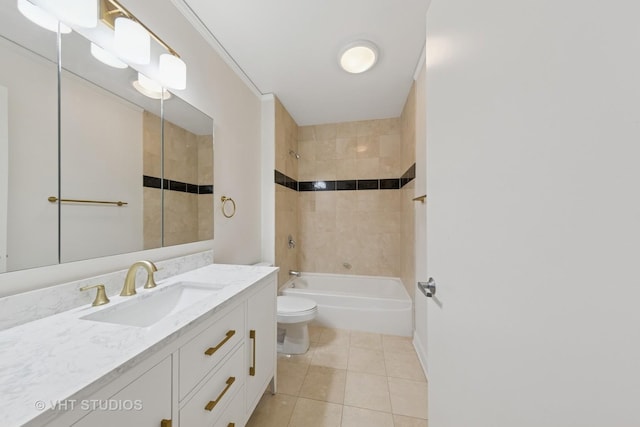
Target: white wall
{"x":32,"y":238}
{"x":216,"y":89}
{"x":101,"y":160}
{"x":268,"y":154}
{"x":533,"y":130}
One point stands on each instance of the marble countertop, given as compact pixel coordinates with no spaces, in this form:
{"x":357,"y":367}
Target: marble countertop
{"x":64,"y":357}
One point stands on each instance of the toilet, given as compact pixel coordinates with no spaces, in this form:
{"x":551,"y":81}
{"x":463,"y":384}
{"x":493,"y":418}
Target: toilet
{"x":294,"y":315}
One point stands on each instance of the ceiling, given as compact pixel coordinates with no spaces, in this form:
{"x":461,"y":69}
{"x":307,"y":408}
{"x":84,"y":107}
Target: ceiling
{"x":290,"y":48}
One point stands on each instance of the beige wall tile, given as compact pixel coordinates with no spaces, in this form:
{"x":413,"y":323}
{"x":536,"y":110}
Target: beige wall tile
{"x":368,"y":147}
{"x":326,"y":131}
{"x":152,"y":212}
{"x":368,"y":168}
{"x":346,"y":129}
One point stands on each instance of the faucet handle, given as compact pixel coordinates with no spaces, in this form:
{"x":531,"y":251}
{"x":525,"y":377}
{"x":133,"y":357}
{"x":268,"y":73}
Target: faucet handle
{"x":101,"y":295}
{"x":151,"y":283}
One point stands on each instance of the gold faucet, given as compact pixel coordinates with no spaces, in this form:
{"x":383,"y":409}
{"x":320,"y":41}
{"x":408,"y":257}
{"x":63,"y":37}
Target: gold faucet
{"x":129,"y":287}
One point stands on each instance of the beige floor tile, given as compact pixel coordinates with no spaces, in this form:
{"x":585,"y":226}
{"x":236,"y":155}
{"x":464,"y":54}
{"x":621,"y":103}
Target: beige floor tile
{"x":299,"y":358}
{"x":396,"y":344}
{"x":335,"y":337}
{"x":366,"y":340}
{"x":273,"y":411}
{"x":408,"y":397}
{"x":332,"y":356}
{"x":312,"y":413}
{"x":366,"y":361}
{"x":402,"y":421}
{"x":290,"y":376}
{"x":314,"y":333}
{"x":404,"y":365}
{"x":358,"y":417}
{"x":367,"y":391}
{"x":326,"y":384}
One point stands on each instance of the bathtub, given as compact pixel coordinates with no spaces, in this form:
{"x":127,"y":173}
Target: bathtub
{"x":363,"y":303}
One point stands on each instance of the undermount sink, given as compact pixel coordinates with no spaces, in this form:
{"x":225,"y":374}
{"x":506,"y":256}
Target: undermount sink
{"x":146,"y":309}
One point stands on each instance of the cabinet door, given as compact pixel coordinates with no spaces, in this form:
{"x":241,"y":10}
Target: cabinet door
{"x":143,"y":403}
{"x":261,"y":343}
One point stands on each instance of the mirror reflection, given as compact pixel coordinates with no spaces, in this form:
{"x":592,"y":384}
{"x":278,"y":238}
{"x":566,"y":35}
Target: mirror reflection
{"x":111,"y":150}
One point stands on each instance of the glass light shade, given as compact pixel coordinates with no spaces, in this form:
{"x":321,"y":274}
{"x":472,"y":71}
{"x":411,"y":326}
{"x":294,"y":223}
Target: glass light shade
{"x":150,"y":88}
{"x":83,"y":13}
{"x":132,"y":42}
{"x":173,"y":71}
{"x":41,"y":17}
{"x":358,"y":57}
{"x":106,"y":57}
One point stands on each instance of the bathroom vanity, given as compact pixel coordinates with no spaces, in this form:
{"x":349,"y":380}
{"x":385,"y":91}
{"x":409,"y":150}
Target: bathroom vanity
{"x":199,"y":349}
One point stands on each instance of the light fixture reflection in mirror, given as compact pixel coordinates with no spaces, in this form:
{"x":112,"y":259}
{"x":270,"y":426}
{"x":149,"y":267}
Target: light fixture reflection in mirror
{"x":150,"y":88}
{"x":41,"y":17}
{"x":106,"y":57}
{"x":173,"y":71}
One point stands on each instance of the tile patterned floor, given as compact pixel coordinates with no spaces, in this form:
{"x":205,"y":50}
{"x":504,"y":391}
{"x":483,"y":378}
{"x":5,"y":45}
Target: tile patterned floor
{"x":347,"y":379}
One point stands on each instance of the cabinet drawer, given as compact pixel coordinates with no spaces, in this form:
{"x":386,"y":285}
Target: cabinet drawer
{"x":233,"y":416}
{"x":211,"y":400}
{"x":207,"y":349}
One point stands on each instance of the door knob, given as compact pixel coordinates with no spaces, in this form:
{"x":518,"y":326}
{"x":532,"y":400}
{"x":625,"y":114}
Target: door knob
{"x":429,"y":288}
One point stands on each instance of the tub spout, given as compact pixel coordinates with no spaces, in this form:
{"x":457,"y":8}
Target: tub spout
{"x":294,"y":273}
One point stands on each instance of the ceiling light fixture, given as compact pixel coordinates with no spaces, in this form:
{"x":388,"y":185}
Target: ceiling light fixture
{"x":106,"y":57}
{"x":358,"y":57}
{"x":150,"y":88}
{"x":41,"y":17}
{"x":82,"y":13}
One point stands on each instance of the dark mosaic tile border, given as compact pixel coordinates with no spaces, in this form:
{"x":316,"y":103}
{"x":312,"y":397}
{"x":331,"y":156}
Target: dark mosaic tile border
{"x":347,"y":184}
{"x":171,"y":185}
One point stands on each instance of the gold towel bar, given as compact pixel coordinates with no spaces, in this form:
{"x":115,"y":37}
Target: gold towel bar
{"x":421,"y":199}
{"x":54,"y":199}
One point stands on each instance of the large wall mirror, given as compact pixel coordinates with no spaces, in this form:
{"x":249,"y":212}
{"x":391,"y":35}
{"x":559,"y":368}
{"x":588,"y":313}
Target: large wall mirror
{"x":155,"y":156}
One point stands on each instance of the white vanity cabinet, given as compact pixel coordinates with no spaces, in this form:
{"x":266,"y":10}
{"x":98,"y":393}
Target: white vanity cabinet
{"x":143,"y":403}
{"x":261,"y":343}
{"x":213,"y":375}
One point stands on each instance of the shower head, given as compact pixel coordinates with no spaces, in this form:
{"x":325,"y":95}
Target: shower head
{"x":294,"y":154}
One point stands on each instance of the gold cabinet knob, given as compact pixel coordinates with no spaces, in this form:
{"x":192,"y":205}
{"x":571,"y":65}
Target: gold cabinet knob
{"x":101,"y":295}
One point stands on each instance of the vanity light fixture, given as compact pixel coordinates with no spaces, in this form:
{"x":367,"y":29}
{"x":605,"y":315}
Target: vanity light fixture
{"x":150,"y":88}
{"x":132,"y":42}
{"x":130,"y":32}
{"x":106,"y":57}
{"x":358,"y":57}
{"x":83,"y":13}
{"x":41,"y":17}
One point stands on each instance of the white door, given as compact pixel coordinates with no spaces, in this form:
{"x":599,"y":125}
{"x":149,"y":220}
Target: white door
{"x":4,"y":174}
{"x":533,"y":232}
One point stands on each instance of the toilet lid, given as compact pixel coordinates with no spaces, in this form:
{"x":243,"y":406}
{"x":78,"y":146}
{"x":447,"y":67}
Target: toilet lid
{"x":287,"y":304}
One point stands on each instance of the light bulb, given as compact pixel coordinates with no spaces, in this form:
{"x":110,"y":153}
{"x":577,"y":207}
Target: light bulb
{"x":173,"y":71}
{"x":132,"y":42}
{"x":41,"y":17}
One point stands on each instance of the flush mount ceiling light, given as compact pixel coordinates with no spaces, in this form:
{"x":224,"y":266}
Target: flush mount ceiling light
{"x":106,"y":57}
{"x":150,"y":88}
{"x":358,"y":57}
{"x":41,"y":17}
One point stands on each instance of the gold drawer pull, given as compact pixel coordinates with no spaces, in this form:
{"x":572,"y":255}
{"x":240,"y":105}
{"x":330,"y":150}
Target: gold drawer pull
{"x":212,"y":350}
{"x":165,"y":423}
{"x":252,"y":369}
{"x":212,"y":403}
{"x":232,"y":425}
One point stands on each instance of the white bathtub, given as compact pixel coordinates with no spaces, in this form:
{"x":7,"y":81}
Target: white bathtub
{"x":363,"y":303}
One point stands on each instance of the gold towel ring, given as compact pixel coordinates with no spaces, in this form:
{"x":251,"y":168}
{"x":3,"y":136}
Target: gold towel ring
{"x":224,"y":200}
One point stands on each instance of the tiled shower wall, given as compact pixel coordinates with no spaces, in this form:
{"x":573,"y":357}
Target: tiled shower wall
{"x":286,"y":198}
{"x":354,"y":201}
{"x":188,"y":174}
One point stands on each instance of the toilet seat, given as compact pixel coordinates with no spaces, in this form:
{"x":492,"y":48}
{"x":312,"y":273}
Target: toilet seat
{"x":295,"y":309}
